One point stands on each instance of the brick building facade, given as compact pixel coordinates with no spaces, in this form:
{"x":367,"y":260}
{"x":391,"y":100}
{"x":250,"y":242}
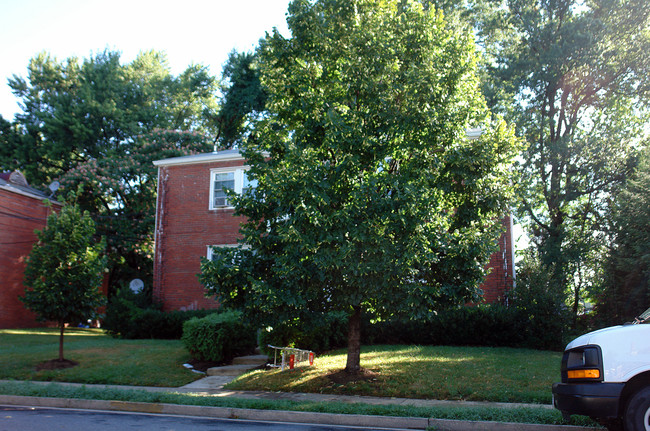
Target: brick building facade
{"x":22,"y":211}
{"x":187,"y":224}
{"x":190,"y":217}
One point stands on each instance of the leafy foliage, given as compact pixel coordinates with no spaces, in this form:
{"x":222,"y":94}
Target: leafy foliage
{"x":573,"y":77}
{"x":64,"y":270}
{"x":243,"y":99}
{"x":96,"y":125}
{"x":370,"y":196}
{"x":218,"y":337}
{"x":530,"y":321}
{"x":318,"y":332}
{"x":133,"y":315}
{"x":627,"y":283}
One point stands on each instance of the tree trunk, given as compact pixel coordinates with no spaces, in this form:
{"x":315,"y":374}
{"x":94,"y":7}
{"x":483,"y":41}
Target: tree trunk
{"x":554,"y":256}
{"x":62,"y":327}
{"x":353,"y":365}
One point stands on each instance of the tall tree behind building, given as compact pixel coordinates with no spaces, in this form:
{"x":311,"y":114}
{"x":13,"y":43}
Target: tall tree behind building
{"x":95,"y":125}
{"x":574,"y":77}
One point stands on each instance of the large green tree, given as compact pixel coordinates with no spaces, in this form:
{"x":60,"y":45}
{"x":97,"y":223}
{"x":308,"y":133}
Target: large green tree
{"x":370,"y":196}
{"x":96,"y":125}
{"x":64,"y":270}
{"x":74,"y":111}
{"x":243,"y":98}
{"x":120,"y":189}
{"x":573,"y":76}
{"x":627,"y":271}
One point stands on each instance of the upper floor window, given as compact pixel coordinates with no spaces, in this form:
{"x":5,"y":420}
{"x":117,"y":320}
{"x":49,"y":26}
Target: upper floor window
{"x":222,"y":179}
{"x":210,"y":254}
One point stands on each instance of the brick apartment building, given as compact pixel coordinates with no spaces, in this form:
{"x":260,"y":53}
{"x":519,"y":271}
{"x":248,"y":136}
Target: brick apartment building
{"x":22,"y":211}
{"x":192,"y":215}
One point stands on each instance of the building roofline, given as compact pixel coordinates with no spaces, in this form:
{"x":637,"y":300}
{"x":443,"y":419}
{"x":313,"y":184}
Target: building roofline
{"x":26,"y":191}
{"x":219,"y":156}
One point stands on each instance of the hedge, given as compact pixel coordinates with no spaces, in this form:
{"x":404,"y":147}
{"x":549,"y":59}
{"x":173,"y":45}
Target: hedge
{"x":484,"y":325}
{"x":218,"y":337}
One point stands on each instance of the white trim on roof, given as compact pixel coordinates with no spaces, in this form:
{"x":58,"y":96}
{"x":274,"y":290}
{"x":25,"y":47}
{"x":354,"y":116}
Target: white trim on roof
{"x":473,"y":134}
{"x":220,"y":156}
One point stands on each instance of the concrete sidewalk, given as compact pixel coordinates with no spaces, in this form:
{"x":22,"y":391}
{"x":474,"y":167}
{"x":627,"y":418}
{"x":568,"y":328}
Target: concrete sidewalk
{"x":213,"y":386}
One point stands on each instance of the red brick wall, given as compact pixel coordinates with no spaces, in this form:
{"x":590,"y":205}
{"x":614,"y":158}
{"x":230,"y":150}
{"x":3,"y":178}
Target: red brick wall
{"x":19,"y":216}
{"x":185,"y":226}
{"x":500,"y":278}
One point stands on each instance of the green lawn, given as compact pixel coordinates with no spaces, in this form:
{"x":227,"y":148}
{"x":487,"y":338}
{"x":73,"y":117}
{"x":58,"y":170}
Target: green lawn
{"x":455,"y":373}
{"x":468,"y":373}
{"x":102,"y":359}
{"x":430,"y":372}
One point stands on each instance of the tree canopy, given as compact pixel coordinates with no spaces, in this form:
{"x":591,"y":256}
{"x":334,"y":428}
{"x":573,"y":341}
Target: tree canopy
{"x":573,"y":77}
{"x":243,"y":98}
{"x":65,"y":270}
{"x":95,"y":125}
{"x":370,"y":196}
{"x":627,"y":268}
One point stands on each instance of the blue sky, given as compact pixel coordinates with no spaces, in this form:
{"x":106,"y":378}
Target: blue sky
{"x":189,"y":31}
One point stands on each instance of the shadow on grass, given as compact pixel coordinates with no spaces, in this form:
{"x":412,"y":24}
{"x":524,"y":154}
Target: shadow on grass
{"x":429,"y":372}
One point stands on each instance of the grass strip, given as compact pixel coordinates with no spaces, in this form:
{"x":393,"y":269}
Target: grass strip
{"x":528,"y":415}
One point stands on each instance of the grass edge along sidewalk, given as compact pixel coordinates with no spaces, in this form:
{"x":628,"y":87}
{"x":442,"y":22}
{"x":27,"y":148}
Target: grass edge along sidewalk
{"x":159,"y":401}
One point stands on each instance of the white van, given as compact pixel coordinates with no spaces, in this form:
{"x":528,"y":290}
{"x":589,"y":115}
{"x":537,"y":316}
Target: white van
{"x":606,"y":375}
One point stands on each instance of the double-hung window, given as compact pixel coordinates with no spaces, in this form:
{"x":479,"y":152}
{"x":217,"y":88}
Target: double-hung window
{"x":210,"y":254}
{"x":222,"y":179}
{"x":211,"y":248}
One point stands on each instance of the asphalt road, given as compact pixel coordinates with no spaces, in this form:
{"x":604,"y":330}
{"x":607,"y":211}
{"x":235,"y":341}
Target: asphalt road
{"x":18,"y":418}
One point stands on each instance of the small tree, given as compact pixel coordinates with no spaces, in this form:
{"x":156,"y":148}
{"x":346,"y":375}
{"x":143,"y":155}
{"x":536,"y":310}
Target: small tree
{"x":64,"y":270}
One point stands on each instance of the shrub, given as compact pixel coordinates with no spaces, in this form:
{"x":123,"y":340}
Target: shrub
{"x":135,"y":316}
{"x":218,"y":337}
{"x":535,"y":326}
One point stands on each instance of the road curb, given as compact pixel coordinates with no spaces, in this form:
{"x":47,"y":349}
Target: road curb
{"x":456,"y":425}
{"x":281,"y":415}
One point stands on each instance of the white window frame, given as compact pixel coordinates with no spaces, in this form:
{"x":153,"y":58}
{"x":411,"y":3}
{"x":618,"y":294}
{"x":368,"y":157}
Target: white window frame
{"x":239,"y":183}
{"x":210,"y":252}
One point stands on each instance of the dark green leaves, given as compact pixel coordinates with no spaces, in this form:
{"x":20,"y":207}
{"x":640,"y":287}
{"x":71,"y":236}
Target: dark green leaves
{"x":370,"y":194}
{"x":65,"y":270}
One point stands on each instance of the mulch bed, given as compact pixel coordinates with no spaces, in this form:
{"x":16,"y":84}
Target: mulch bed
{"x":56,"y":364}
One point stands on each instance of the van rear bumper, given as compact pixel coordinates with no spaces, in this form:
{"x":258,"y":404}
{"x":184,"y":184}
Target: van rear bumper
{"x":597,"y":400}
